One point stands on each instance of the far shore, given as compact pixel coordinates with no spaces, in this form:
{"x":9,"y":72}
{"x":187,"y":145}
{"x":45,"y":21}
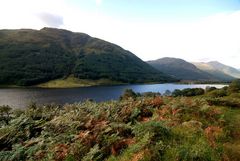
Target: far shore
{"x":57,"y":84}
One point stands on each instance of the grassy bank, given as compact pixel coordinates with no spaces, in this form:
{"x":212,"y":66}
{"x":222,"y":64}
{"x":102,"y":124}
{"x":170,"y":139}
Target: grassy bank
{"x":71,"y":82}
{"x":138,"y":127}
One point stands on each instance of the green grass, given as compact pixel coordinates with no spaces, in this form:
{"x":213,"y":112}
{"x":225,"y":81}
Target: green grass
{"x":71,"y":82}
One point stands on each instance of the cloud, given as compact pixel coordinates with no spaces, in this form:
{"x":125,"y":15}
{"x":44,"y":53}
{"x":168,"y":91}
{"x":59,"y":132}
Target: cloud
{"x":51,"y":20}
{"x":216,"y":37}
{"x":98,"y":2}
{"x":31,"y":14}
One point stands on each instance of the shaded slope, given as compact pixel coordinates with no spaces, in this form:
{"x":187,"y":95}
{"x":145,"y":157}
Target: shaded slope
{"x":181,"y":69}
{"x":30,"y":57}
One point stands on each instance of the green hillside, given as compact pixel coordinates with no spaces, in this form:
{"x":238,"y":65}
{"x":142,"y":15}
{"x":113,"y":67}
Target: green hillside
{"x":181,"y":69}
{"x":30,"y":57}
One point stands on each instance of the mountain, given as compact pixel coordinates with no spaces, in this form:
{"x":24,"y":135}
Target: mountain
{"x":226,"y":69}
{"x":211,"y":70}
{"x":218,"y":69}
{"x":181,"y":69}
{"x":29,"y":57}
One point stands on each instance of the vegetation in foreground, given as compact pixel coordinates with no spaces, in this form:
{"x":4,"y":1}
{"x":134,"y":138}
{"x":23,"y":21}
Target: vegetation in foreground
{"x":190,"y":125}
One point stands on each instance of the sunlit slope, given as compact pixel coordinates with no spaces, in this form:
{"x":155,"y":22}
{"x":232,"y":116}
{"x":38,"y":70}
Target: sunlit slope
{"x":223,"y":72}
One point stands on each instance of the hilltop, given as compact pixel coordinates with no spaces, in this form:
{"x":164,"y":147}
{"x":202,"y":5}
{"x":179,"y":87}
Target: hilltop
{"x":31,"y":57}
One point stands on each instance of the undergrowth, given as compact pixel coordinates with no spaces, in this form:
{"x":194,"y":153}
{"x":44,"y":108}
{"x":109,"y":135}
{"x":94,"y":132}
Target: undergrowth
{"x":147,"y":128}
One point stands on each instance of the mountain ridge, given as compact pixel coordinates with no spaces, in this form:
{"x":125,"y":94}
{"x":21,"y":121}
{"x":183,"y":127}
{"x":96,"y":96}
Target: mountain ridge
{"x":29,"y":57}
{"x":186,"y":71}
{"x":225,"y":68}
{"x":218,"y":68}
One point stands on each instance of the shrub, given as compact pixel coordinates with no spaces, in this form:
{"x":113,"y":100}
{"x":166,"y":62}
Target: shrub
{"x":128,"y":93}
{"x":188,"y":92}
{"x":209,"y":89}
{"x":228,"y":102}
{"x":193,"y":148}
{"x":234,"y":87}
{"x":192,"y":91}
{"x":5,"y":112}
{"x":217,"y":93}
{"x":151,"y":94}
{"x":156,"y":130}
{"x":167,"y":93}
{"x":176,"y":93}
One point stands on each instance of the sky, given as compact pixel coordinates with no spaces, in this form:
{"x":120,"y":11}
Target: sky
{"x":194,"y":30}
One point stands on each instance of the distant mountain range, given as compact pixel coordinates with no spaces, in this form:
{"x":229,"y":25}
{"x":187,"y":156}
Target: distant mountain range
{"x":187,"y":71}
{"x":29,"y":57}
{"x":181,"y":69}
{"x":32,"y":57}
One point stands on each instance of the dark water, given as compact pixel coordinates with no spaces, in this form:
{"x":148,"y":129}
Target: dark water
{"x":20,"y":98}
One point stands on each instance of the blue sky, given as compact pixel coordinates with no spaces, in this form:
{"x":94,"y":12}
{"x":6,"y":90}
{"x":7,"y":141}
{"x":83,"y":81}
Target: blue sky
{"x":159,"y":10}
{"x":194,"y":30}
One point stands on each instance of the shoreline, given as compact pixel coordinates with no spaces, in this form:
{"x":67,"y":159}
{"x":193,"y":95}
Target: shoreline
{"x":106,"y":85}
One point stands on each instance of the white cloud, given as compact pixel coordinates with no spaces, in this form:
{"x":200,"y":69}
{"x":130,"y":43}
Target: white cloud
{"x":216,"y":37}
{"x":98,"y":2}
{"x":25,"y":13}
{"x":50,"y":19}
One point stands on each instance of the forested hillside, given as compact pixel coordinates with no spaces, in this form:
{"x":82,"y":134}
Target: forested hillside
{"x":29,"y":57}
